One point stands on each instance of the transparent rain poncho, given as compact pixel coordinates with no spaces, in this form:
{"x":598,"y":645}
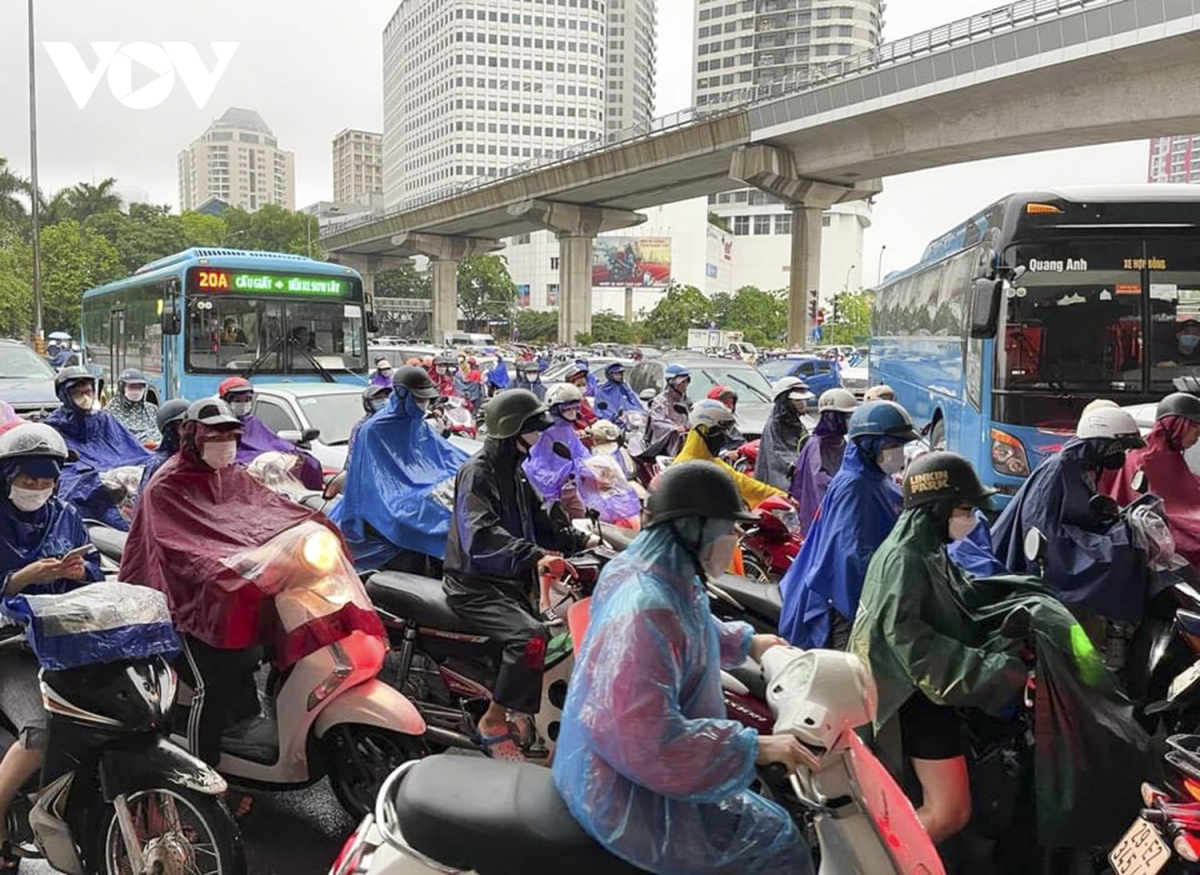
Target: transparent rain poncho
{"x":647,"y":760}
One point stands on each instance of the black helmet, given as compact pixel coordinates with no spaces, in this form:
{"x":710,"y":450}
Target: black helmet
{"x":415,"y":380}
{"x":68,"y":377}
{"x":1179,"y":404}
{"x":211,"y":411}
{"x":371,"y":392}
{"x":696,"y":489}
{"x":944,"y":477}
{"x":172,"y":411}
{"x":131,"y":375}
{"x":514,"y":412}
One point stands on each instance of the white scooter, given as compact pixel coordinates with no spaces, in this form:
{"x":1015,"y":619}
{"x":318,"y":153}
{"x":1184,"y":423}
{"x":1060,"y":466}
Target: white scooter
{"x":456,"y":815}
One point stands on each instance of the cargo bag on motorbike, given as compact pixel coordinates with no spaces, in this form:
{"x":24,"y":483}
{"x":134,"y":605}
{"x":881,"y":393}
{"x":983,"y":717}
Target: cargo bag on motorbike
{"x":104,"y":622}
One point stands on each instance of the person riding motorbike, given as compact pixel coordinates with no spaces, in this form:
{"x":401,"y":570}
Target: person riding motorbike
{"x":729,"y":398}
{"x":382,"y":375}
{"x":99,"y":442}
{"x":1091,"y":562}
{"x":584,"y":372}
{"x":669,"y":411}
{"x":445,"y":375}
{"x":498,"y":378}
{"x":392,"y":513}
{"x":1170,"y":462}
{"x":614,"y":397}
{"x":551,"y":475}
{"x":606,"y":441}
{"x":784,"y":433}
{"x":529,"y":378}
{"x":38,"y":534}
{"x":711,"y":422}
{"x":821,"y":456}
{"x":131,"y":408}
{"x":882,"y":392}
{"x":374,"y":399}
{"x":470,"y":383}
{"x":822,"y":588}
{"x":168,"y":419}
{"x":500,"y":544}
{"x":579,"y":377}
{"x":257,"y":438}
{"x":647,"y":760}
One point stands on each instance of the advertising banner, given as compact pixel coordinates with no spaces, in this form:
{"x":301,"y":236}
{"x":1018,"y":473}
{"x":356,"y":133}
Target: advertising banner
{"x":632,"y":261}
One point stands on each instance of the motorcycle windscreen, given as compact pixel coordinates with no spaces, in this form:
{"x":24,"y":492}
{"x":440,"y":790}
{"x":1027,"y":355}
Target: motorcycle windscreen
{"x":318,"y":598}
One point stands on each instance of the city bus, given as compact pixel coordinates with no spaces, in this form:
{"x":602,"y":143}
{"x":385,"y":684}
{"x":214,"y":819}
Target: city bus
{"x":190,"y":320}
{"x":1044,"y":301}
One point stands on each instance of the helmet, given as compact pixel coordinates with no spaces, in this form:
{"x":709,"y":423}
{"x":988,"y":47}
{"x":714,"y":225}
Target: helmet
{"x":714,"y":414}
{"x":172,"y":411}
{"x":1099,"y":403}
{"x":131,"y":375}
{"x":74,"y":374}
{"x":837,"y":399}
{"x":371,"y":392}
{"x":563,"y":393}
{"x":605,"y":432}
{"x":696,"y":489}
{"x":676,"y":372}
{"x":234,"y":386}
{"x":885,"y":418}
{"x":882,"y":392}
{"x":1110,"y":423}
{"x":445,"y":359}
{"x":529,"y":366}
{"x":515,"y":411}
{"x":716,"y":393}
{"x":613,"y":368}
{"x":211,"y":411}
{"x":943,"y":476}
{"x":1179,"y":404}
{"x":416,"y":381}
{"x":33,"y":440}
{"x":787,"y":385}
{"x":383,"y":364}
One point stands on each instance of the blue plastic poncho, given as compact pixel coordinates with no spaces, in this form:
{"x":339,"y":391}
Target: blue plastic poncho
{"x":591,"y":379}
{"x":1091,"y":565}
{"x":102,"y":444}
{"x":498,"y":377}
{"x":647,"y":761}
{"x":974,"y":554}
{"x":548,"y":473}
{"x":388,"y":503}
{"x":854,"y":518}
{"x":53,"y":530}
{"x":613,"y":399}
{"x":534,"y":386}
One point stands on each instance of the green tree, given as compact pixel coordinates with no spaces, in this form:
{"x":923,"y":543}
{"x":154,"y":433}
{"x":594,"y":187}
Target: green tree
{"x":272,"y":229}
{"x":853,"y":323}
{"x":485,"y":290}
{"x":608,"y":327}
{"x":537,"y":326}
{"x":142,"y":235}
{"x":16,"y":289}
{"x":200,"y":229}
{"x":74,"y":259}
{"x":12,"y":207}
{"x":403,"y":282}
{"x":760,"y":316}
{"x":681,"y":308}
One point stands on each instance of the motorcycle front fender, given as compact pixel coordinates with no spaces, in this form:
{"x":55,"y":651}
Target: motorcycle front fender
{"x":125,"y":769}
{"x":373,"y":703}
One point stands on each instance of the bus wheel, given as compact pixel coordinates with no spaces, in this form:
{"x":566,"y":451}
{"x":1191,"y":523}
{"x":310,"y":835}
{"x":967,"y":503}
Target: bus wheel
{"x":937,"y":436}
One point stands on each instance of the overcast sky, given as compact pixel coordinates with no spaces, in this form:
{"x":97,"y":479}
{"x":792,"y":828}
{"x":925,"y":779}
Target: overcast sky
{"x":313,"y":67}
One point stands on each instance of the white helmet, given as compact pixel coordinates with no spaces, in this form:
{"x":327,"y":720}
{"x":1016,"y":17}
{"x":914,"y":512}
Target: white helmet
{"x":33,"y":439}
{"x":837,"y":399}
{"x":1110,"y":423}
{"x":605,"y":432}
{"x":882,"y":392}
{"x":563,"y":393}
{"x":712,"y":413}
{"x":785,"y":385}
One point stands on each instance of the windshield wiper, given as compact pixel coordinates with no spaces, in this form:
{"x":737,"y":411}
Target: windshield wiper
{"x":749,"y":386}
{"x":288,"y":342}
{"x":312,"y":360}
{"x":261,"y":360}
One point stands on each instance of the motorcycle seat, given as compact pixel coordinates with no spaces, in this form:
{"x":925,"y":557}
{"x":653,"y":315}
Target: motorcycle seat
{"x":495,"y":818}
{"x":110,"y":542}
{"x":415,"y":598}
{"x":761,"y":599}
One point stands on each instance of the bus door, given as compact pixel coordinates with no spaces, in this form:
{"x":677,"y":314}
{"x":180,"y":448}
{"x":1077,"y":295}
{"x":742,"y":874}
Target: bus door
{"x":172,"y":345}
{"x":116,"y":346}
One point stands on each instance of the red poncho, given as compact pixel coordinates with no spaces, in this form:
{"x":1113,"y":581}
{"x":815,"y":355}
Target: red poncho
{"x":1169,"y":478}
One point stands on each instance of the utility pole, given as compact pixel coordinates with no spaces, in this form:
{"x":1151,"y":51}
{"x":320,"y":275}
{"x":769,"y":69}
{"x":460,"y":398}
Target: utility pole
{"x":39,"y":329}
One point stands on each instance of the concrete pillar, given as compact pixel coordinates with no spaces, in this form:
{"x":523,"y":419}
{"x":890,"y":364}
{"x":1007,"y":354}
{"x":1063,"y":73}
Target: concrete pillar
{"x":629,"y":305}
{"x":444,"y":253}
{"x":805,"y":275}
{"x":444,"y":283}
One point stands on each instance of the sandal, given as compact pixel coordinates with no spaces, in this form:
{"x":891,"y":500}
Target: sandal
{"x":240,"y":805}
{"x":506,"y":747}
{"x":9,"y":860}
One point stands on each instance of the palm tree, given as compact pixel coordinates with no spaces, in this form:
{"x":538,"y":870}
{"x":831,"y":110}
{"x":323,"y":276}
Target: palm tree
{"x":12,"y":209}
{"x":86,"y":199}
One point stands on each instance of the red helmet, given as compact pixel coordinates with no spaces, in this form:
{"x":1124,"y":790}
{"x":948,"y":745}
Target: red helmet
{"x":233,"y":385}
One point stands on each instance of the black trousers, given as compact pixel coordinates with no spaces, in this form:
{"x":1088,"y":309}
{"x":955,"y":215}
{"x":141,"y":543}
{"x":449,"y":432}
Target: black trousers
{"x":510,"y":620}
{"x":224,"y":692}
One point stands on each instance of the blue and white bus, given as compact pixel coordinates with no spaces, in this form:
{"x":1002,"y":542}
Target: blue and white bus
{"x":1044,"y":301}
{"x":190,"y":320}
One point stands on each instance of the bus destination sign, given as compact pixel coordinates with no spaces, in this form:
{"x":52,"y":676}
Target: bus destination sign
{"x":213,"y":279}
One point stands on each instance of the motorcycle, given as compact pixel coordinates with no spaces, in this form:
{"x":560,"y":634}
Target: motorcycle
{"x":451,"y":415}
{"x":770,"y":545}
{"x":114,"y":795}
{"x":1166,"y":835}
{"x":744,"y":457}
{"x":863,"y":823}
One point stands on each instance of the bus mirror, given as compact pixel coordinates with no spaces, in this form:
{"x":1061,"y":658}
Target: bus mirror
{"x":372,"y":323}
{"x":170,"y":318}
{"x":986,"y":296}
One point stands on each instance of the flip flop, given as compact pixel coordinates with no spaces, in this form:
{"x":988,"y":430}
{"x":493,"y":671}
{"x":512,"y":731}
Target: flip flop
{"x":505,"y":747}
{"x":240,"y":805}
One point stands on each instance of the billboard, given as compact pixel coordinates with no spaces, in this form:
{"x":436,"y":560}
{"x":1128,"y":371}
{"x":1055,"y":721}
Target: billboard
{"x":631,"y":261}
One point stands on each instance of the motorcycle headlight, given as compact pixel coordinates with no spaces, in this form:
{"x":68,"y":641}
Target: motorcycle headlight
{"x":321,"y":550}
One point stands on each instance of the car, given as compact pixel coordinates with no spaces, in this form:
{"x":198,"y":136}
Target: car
{"x":557,"y":372}
{"x":26,"y":381}
{"x":398,"y":353}
{"x":293,"y":410}
{"x":820,"y":373}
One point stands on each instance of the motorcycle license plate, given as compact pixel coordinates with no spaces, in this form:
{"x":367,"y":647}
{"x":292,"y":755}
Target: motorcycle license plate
{"x":1183,"y":682}
{"x":1141,"y":852}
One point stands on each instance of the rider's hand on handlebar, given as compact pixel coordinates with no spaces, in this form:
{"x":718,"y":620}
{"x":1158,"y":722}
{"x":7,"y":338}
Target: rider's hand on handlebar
{"x":41,"y":571}
{"x":555,"y":566}
{"x":72,"y":568}
{"x":787,"y":751}
{"x":593,"y":541}
{"x":760,"y":644}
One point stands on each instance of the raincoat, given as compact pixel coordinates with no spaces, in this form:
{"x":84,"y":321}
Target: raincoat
{"x":853,"y":519}
{"x":398,"y":489}
{"x":1170,"y":479}
{"x":102,"y":444}
{"x":819,"y":459}
{"x":1090,"y":565}
{"x":545,"y":470}
{"x":591,"y":378}
{"x":534,"y":386}
{"x":140,"y":417}
{"x":378,"y":378}
{"x":190,"y":519}
{"x":498,"y":378}
{"x":753,"y":492}
{"x":647,"y":760}
{"x":923,"y":626}
{"x":168,"y":447}
{"x":52,"y":531}
{"x":975,"y":554}
{"x":613,"y":399}
{"x":668,"y":426}
{"x":780,"y":444}
{"x":257,"y":438}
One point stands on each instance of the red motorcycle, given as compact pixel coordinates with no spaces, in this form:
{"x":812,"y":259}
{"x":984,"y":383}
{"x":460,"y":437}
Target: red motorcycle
{"x":770,"y":545}
{"x":744,"y":457}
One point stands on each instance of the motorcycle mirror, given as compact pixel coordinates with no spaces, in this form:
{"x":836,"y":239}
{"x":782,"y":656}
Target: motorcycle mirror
{"x":1140,"y":482}
{"x":1018,"y":624}
{"x":561,"y":450}
{"x":1035,"y":545}
{"x":1104,"y":508}
{"x":334,"y":487}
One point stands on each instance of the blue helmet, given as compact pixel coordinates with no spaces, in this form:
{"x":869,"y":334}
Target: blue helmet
{"x":882,"y":418}
{"x":615,"y":367}
{"x":674,"y":372}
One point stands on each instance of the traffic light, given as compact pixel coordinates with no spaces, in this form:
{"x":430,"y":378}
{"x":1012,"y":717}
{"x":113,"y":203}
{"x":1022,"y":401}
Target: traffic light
{"x":812,"y":306}
{"x":836,"y":303}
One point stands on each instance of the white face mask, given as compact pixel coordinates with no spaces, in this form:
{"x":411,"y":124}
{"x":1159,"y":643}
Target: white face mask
{"x":422,"y":404}
{"x":135,"y":395}
{"x":571,"y":415}
{"x":241,"y":408}
{"x":891,"y":460}
{"x":1192,"y":457}
{"x":715,"y":558}
{"x":378,"y":404}
{"x":962,"y":526}
{"x":86,"y":403}
{"x":219,"y":454}
{"x":29,"y":500}
{"x":528,"y":440}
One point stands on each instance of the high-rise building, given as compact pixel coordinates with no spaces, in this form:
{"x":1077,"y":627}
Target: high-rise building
{"x":237,"y":160}
{"x":632,"y":25}
{"x":1175,"y":159}
{"x":357,"y":166}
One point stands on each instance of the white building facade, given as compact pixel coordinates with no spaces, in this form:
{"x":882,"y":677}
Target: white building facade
{"x":237,"y":160}
{"x":357,"y":166}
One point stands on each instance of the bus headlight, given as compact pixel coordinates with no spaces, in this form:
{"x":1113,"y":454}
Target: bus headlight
{"x":1008,"y":455}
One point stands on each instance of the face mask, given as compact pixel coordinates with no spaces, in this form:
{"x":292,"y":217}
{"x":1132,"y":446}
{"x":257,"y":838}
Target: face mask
{"x":135,"y":395}
{"x":716,"y":441}
{"x":1188,"y":342}
{"x":961,"y":526}
{"x":378,"y":404}
{"x":443,"y":370}
{"x":618,"y":378}
{"x":219,"y":454}
{"x":799,"y":406}
{"x":84,"y":402}
{"x":1192,"y":457}
{"x":715,"y":558}
{"x":422,"y":404}
{"x":29,"y":500}
{"x":891,"y":460}
{"x":528,"y":440}
{"x":241,"y":408}
{"x":1114,"y":461}
{"x":571,"y":414}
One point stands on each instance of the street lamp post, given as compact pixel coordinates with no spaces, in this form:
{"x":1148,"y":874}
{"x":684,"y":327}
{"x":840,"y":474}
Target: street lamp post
{"x":879,"y":270}
{"x":39,"y":331}
{"x":308,"y":230}
{"x":846,"y":284}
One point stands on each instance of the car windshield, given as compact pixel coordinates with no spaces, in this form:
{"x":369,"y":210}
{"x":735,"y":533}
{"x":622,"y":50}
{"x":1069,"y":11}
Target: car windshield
{"x":333,"y":413}
{"x":22,"y":363}
{"x":748,"y":382}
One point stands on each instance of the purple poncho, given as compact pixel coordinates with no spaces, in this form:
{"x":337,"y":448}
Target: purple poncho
{"x":257,"y":439}
{"x":819,"y":460}
{"x":546,"y":471}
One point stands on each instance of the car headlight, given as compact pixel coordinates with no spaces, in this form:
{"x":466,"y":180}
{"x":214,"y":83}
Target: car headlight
{"x":321,"y":550}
